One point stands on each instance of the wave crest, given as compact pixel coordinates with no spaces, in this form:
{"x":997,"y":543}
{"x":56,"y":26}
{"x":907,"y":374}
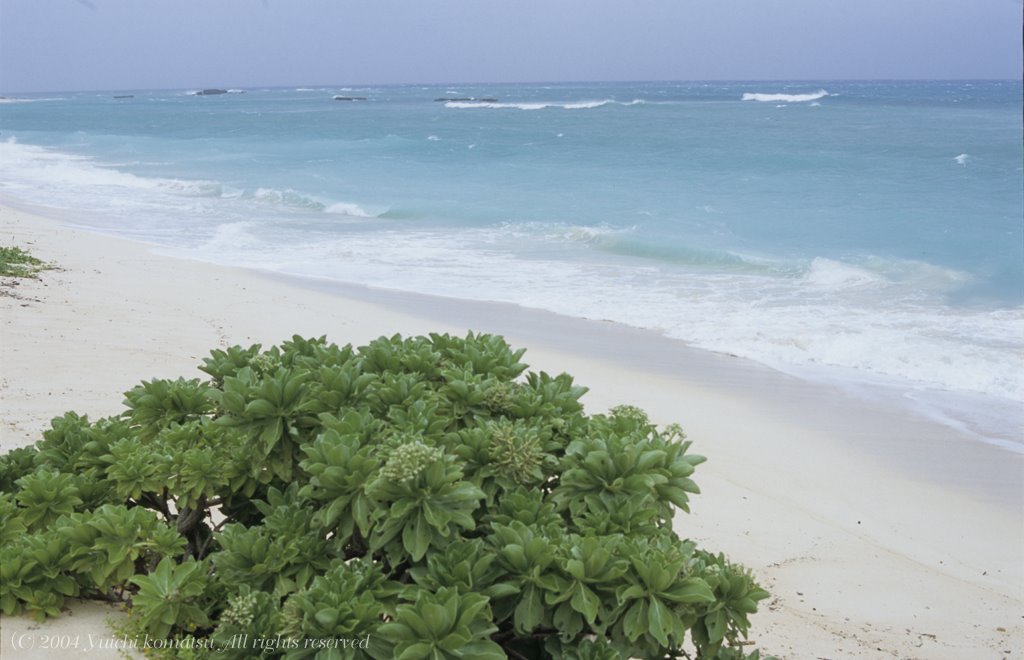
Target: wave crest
{"x":196,"y":188}
{"x":22,"y":100}
{"x":785,"y":98}
{"x":539,"y":105}
{"x":346,"y":208}
{"x":294,"y":199}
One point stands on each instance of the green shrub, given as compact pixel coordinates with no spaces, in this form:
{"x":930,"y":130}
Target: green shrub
{"x":412,"y":498}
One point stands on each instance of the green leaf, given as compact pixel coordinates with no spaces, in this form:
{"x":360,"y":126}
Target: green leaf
{"x":327,"y":617}
{"x":716,"y":623}
{"x":260,"y":408}
{"x":585,"y":602}
{"x":635,"y":623}
{"x":530,"y":611}
{"x":271,"y":434}
{"x":396,"y":631}
{"x":483,"y":650}
{"x":690,"y":590}
{"x":416,"y":651}
{"x":416,"y":537}
{"x":660,"y":620}
{"x":436,"y":618}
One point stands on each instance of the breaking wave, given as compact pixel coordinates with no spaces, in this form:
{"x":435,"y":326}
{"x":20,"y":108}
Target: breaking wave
{"x":785,"y":98}
{"x":294,"y":199}
{"x":539,"y":105}
{"x":57,"y":174}
{"x":22,"y":100}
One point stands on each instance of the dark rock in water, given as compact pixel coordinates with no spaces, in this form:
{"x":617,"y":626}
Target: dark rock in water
{"x":125,"y":96}
{"x":349,"y":98}
{"x":488,"y":100}
{"x":211,"y":92}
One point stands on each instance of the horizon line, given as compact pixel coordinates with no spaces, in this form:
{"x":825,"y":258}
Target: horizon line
{"x":524,"y":82}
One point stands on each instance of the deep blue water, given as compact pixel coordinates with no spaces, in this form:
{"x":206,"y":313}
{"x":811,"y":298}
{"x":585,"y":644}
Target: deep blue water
{"x":865,"y":230}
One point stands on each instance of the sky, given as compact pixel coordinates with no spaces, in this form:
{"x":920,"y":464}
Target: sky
{"x":67,"y":45}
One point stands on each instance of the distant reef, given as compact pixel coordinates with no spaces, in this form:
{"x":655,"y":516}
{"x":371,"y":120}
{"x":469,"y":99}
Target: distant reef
{"x":349,"y":98}
{"x":211,"y":92}
{"x":124,"y":96}
{"x":446,"y":99}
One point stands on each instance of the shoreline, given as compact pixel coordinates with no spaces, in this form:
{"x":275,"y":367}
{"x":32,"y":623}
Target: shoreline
{"x":657,"y":355}
{"x":874,"y":529}
{"x":982,"y":398}
{"x":985,"y":417}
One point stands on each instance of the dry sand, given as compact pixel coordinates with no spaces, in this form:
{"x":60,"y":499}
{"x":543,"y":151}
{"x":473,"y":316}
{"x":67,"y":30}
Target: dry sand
{"x":880,"y":535}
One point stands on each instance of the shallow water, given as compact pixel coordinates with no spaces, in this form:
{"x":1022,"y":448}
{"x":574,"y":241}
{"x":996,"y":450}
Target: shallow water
{"x":855,"y":232}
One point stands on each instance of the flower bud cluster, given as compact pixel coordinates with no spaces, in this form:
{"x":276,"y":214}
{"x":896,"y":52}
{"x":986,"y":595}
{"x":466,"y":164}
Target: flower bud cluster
{"x":264,"y":363}
{"x":241,"y":609}
{"x":630,"y":412}
{"x":515,"y":449}
{"x":498,"y":398}
{"x":409,"y":459}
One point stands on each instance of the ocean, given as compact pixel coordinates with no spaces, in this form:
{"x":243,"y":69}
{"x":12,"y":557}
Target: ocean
{"x":864,"y":234}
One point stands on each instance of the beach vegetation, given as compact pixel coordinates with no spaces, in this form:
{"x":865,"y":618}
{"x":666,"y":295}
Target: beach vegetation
{"x":16,"y":262}
{"x":421,"y":497}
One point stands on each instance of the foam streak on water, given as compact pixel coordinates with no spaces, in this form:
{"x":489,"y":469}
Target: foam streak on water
{"x":785,"y":98}
{"x":869,"y":234}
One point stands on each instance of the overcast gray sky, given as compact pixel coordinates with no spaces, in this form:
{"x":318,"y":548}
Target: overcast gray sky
{"x":63,"y":45}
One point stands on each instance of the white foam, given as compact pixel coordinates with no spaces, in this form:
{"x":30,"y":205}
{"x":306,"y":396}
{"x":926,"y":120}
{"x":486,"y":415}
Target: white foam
{"x":539,"y":105}
{"x":345,"y":208}
{"x":828,"y":274}
{"x":558,"y":232}
{"x":291,"y":198}
{"x":962,"y":159}
{"x":59,"y":179}
{"x":233,"y":244}
{"x":586,"y":105}
{"x":470,"y":105}
{"x":195,"y":188}
{"x":785,"y":98}
{"x":23,"y":100}
{"x":433,"y":138}
{"x":51,"y":169}
{"x":866,"y":318}
{"x":836,"y":316}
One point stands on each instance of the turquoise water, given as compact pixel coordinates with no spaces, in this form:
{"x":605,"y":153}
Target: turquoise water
{"x":848,"y":231}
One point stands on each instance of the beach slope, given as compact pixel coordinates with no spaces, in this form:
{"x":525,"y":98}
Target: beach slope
{"x":879,"y":534}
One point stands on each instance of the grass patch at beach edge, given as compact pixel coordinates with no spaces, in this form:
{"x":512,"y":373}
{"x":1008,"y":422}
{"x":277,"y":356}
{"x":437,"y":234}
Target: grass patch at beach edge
{"x":16,"y":262}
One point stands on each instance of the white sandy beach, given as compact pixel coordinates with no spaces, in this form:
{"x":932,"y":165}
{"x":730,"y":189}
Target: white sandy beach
{"x":878,"y":534}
